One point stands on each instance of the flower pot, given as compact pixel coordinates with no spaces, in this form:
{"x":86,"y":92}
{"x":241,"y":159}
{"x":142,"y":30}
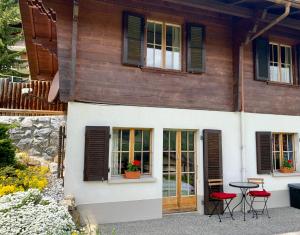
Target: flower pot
{"x":132,"y":174}
{"x":286,"y":170}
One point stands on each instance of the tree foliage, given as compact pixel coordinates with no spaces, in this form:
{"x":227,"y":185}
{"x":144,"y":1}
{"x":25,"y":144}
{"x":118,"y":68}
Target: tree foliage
{"x":10,"y":34}
{"x":7,"y":149}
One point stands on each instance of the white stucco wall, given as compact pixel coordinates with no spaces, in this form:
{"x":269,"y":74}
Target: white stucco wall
{"x":81,"y":115}
{"x":272,"y":123}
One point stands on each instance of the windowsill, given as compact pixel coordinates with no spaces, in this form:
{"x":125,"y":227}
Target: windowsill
{"x":163,"y":71}
{"x":282,"y":84}
{"x":279,"y":174}
{"x":122,"y":180}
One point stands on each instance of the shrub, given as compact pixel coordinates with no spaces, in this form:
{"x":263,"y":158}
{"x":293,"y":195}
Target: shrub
{"x":30,"y":213}
{"x":7,"y":149}
{"x":15,"y":180}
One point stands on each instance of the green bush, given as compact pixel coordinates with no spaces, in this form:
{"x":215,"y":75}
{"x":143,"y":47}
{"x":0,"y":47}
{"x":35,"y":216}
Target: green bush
{"x":7,"y":149}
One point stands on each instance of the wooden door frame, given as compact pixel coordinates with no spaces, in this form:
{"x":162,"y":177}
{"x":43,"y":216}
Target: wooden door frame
{"x":178,"y":199}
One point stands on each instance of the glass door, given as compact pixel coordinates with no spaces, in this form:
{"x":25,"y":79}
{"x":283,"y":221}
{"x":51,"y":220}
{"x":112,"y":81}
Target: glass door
{"x":179,"y":171}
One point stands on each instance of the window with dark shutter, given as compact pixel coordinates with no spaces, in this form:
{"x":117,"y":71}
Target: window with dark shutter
{"x":133,"y":42}
{"x":195,"y":48}
{"x":262,"y":59}
{"x":96,"y":153}
{"x":212,"y":147}
{"x":298,"y":62}
{"x":264,"y":152}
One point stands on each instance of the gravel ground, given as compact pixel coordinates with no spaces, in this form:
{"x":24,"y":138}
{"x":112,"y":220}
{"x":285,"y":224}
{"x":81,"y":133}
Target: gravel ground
{"x":54,"y":189}
{"x":282,"y":220}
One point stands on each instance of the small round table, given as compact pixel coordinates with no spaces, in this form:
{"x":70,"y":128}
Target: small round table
{"x":244,"y":187}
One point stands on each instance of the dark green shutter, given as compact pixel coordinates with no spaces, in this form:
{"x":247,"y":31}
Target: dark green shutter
{"x":264,"y":152}
{"x":96,"y":153}
{"x":195,"y":48}
{"x":262,"y":59}
{"x":133,"y":41}
{"x":298,"y":62}
{"x":212,"y":165}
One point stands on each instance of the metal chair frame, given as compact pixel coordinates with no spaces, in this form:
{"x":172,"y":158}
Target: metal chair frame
{"x":216,"y":202}
{"x":259,"y":181}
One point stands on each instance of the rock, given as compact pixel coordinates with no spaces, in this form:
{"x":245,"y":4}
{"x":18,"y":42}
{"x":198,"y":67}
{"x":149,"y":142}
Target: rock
{"x":42,"y":132}
{"x":39,"y":144}
{"x":33,"y":162}
{"x":53,"y":167}
{"x":47,"y":157}
{"x":38,"y":136}
{"x":16,"y":131}
{"x":27,"y":123}
{"x":43,"y":120}
{"x":34,"y":152}
{"x":24,"y":144}
{"x":51,"y":151}
{"x":55,"y":159}
{"x":27,"y":134}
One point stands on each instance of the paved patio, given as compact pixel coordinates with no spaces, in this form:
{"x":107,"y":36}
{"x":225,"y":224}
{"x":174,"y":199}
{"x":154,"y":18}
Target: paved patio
{"x":284,"y":220}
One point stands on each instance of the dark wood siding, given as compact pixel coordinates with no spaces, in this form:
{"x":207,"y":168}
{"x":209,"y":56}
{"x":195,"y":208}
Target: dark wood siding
{"x":101,"y":77}
{"x":212,"y":162}
{"x":64,"y":25}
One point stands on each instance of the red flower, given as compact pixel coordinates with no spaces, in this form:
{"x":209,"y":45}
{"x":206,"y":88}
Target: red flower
{"x":290,"y":161}
{"x":136,"y":163}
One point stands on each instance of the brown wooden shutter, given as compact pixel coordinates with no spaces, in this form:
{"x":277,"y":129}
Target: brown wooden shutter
{"x":212,"y":147}
{"x":264,"y":152}
{"x":262,"y":59}
{"x":133,"y":41}
{"x":195,"y":48}
{"x":96,"y":153}
{"x":298,"y":62}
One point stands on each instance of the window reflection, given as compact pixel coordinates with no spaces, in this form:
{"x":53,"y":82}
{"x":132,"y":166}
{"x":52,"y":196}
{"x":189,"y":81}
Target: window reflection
{"x":163,"y":45}
{"x":280,"y":63}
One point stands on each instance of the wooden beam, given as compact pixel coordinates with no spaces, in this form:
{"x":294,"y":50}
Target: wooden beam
{"x":233,"y":10}
{"x":46,"y":43}
{"x":216,"y":6}
{"x":283,"y":2}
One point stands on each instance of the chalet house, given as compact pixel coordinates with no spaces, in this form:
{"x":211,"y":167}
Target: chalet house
{"x":195,"y":90}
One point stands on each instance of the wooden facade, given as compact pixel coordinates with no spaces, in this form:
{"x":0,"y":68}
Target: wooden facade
{"x":90,"y":42}
{"x":12,"y":102}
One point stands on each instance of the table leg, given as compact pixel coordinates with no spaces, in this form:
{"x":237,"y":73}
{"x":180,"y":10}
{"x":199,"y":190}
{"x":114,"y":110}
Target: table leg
{"x":243,"y":202}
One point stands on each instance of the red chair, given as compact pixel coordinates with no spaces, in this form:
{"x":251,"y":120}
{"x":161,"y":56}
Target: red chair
{"x":218,"y":197}
{"x":261,"y":193}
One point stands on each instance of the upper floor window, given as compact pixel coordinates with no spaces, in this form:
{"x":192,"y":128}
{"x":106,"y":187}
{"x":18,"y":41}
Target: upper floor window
{"x":283,"y":149}
{"x":129,"y":145}
{"x":280,"y":63}
{"x":159,"y":44}
{"x":163,"y":45}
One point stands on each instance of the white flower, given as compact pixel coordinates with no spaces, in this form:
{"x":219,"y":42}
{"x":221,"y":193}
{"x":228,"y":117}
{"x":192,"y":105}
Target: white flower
{"x":30,"y":213}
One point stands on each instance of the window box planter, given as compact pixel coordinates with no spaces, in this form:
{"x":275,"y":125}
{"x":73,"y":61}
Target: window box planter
{"x":286,"y":170}
{"x":132,"y":174}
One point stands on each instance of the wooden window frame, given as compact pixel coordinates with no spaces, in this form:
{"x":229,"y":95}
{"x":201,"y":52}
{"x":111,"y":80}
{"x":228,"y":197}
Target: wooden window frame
{"x":281,"y":151}
{"x":164,"y":44}
{"x":131,"y":147}
{"x":279,"y":63}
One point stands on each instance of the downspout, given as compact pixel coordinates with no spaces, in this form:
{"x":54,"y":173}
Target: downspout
{"x":241,"y":75}
{"x":272,"y":23}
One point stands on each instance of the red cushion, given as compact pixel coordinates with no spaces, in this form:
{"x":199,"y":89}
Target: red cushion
{"x":222,"y":196}
{"x":261,"y":193}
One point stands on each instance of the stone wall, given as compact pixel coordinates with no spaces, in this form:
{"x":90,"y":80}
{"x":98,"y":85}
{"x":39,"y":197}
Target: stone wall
{"x":36,"y":135}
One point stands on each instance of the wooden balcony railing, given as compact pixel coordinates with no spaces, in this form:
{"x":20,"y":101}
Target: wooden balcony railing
{"x":12,"y":102}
